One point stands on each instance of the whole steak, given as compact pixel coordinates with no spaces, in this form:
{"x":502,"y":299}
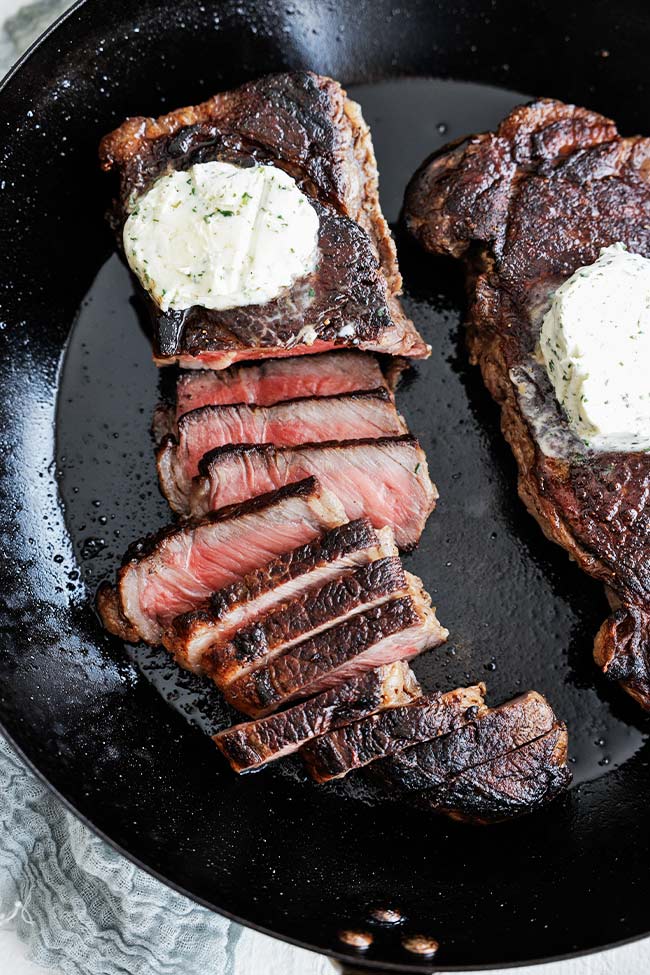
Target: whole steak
{"x":304,"y":124}
{"x":526,"y":206}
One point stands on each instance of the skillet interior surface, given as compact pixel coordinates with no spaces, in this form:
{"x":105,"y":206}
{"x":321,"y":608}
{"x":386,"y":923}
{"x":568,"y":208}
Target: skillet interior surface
{"x":119,"y":732}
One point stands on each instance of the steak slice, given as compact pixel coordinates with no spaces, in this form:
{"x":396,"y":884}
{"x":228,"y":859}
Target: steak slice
{"x":386,"y":480}
{"x":289,"y":575}
{"x":526,"y":206}
{"x":305,"y":616}
{"x":339,"y":752}
{"x":466,"y":772}
{"x":512,"y":785}
{"x":364,"y":414}
{"x":176,"y":569}
{"x":249,"y":745}
{"x":274,"y":380}
{"x":305,"y":124}
{"x":396,"y":630}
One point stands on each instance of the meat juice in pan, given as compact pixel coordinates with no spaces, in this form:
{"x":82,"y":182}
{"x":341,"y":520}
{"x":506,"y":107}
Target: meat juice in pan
{"x":520,"y":614}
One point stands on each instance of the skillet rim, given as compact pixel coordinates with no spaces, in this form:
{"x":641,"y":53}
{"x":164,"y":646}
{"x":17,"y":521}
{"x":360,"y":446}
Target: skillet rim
{"x":350,"y":962}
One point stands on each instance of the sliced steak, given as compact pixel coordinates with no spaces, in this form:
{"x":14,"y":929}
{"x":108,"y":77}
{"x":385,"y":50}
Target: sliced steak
{"x":304,"y":124}
{"x":396,"y":630}
{"x":305,"y":616}
{"x":274,"y":380}
{"x":386,"y":480}
{"x":471,"y":757}
{"x":191,"y":635}
{"x":249,"y":745}
{"x":526,"y":206}
{"x":366,"y":414}
{"x":493,"y":732}
{"x":512,"y":785}
{"x":178,"y":568}
{"x":339,"y":752}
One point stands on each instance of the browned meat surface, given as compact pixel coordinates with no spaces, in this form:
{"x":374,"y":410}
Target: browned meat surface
{"x":109,"y":607}
{"x":386,"y":480}
{"x":396,"y":630}
{"x":511,"y":785}
{"x":304,"y":124}
{"x":493,"y":732}
{"x":504,"y":762}
{"x":273,"y":380}
{"x":191,"y":635}
{"x":391,"y":731}
{"x":364,"y":414}
{"x":249,"y":745}
{"x":305,"y":616}
{"x":177,"y":569}
{"x":622,"y":651}
{"x":526,"y":206}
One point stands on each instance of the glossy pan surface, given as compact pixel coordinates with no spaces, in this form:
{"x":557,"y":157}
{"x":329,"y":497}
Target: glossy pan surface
{"x":119,"y":733}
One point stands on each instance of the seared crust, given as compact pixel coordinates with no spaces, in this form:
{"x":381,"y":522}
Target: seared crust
{"x":304,"y":615}
{"x":512,"y":785}
{"x":266,"y":688}
{"x":302,"y":121}
{"x":503,"y":762}
{"x":488,"y":735}
{"x":330,"y":655}
{"x":345,"y":540}
{"x":113,"y":604}
{"x":144,"y":547}
{"x":391,"y":731}
{"x":621,"y":651}
{"x":304,"y":124}
{"x":345,"y":297}
{"x":525,"y":207}
{"x":253,"y":743}
{"x":110,"y":611}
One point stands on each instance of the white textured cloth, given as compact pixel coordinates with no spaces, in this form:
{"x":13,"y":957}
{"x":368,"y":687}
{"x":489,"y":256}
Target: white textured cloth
{"x":81,"y":907}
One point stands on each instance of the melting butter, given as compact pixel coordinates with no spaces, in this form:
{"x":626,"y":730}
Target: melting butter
{"x":221,"y":236}
{"x":595,"y":344}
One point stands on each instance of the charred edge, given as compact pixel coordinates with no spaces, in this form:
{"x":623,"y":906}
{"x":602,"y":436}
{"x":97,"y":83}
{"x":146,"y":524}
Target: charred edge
{"x":490,"y":734}
{"x":302,"y":97}
{"x":379,"y":393}
{"x":353,"y":589}
{"x":622,"y":651}
{"x":391,"y":731}
{"x":347,"y":640}
{"x":109,"y":608}
{"x":327,"y":150}
{"x":269,"y":449}
{"x":476,"y":796}
{"x":253,"y":743}
{"x":334,"y":544}
{"x":139,"y":550}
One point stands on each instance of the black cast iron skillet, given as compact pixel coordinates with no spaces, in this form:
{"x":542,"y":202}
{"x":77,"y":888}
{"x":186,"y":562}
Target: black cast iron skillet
{"x":120,"y":733}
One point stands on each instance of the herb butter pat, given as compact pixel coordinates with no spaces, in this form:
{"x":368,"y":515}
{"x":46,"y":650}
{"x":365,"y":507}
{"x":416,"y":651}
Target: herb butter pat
{"x":221,"y":236}
{"x":595,"y":343}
